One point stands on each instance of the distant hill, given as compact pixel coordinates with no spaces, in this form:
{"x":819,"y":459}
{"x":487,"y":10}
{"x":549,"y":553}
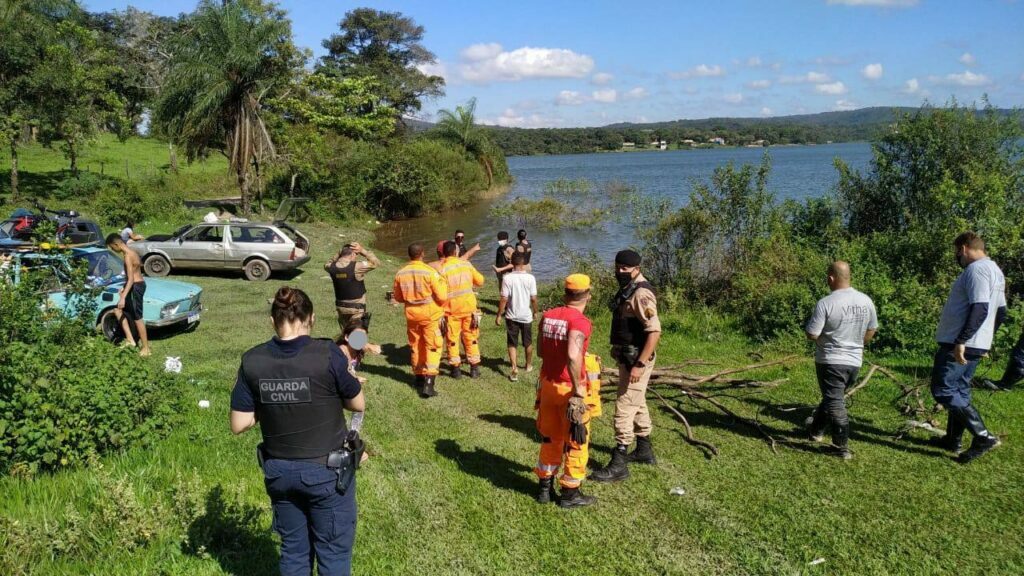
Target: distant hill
{"x":845,"y":126}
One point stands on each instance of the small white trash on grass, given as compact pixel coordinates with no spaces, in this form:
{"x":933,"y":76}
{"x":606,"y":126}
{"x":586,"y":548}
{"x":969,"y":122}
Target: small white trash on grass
{"x":172,"y":364}
{"x":677,"y":491}
{"x":816,"y":561}
{"x":204,"y":403}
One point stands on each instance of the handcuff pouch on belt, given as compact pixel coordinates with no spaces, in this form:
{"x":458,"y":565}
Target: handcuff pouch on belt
{"x":625,"y":354}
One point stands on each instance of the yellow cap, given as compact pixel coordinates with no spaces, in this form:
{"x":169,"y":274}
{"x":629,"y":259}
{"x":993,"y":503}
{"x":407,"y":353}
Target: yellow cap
{"x":577,"y":282}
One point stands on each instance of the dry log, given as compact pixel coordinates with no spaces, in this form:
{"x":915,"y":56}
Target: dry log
{"x":864,"y":382}
{"x":686,"y":425}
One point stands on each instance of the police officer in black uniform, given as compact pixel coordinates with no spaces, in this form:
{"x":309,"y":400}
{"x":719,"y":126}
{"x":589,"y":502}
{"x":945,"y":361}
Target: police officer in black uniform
{"x":296,"y":387}
{"x":347,"y":275}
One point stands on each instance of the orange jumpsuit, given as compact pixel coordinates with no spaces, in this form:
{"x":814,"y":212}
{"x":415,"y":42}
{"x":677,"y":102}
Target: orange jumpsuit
{"x":556,"y":448}
{"x":423,"y":292}
{"x":461,"y":278}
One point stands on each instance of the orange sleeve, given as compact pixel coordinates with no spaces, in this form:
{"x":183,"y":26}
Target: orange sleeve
{"x":397,"y":289}
{"x":439,"y":286}
{"x":478,"y":278}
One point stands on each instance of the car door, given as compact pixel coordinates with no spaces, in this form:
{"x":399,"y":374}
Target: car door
{"x":202,"y":247}
{"x":238,"y":246}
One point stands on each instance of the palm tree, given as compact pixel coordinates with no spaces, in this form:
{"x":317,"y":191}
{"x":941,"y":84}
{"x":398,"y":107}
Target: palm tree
{"x":460,"y":128}
{"x":229,"y":58}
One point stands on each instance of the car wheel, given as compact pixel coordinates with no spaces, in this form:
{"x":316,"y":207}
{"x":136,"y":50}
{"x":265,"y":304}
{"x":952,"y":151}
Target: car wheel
{"x":156,"y":266}
{"x":257,"y":270}
{"x":110,"y":327}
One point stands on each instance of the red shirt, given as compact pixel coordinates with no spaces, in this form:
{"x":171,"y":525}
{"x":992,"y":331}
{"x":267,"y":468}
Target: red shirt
{"x":554,"y":342}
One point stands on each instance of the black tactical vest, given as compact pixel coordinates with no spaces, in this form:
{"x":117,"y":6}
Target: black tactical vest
{"x":628,"y":331}
{"x":297,"y":401}
{"x":346,"y":287}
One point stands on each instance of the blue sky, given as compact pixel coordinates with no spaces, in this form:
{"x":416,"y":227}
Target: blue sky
{"x":569,"y":63}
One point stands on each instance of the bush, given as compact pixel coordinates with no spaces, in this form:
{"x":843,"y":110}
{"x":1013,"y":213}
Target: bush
{"x":85,"y":187}
{"x":119,"y":204}
{"x":66,"y":395}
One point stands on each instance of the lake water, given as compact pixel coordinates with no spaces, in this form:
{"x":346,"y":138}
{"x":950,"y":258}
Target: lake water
{"x":798,"y":172}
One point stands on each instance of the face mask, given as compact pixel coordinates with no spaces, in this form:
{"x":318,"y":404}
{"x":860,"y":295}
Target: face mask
{"x":502,"y":242}
{"x":623,"y":278}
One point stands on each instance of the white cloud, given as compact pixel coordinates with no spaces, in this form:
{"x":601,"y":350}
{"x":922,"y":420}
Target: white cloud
{"x":911,"y":86}
{"x":637,"y":93}
{"x":872,"y":71}
{"x":601,"y":78}
{"x":881,"y":3}
{"x":435,"y":69}
{"x":967,"y":59}
{"x":809,"y":78}
{"x":967,"y":78}
{"x":570,"y":98}
{"x":735,"y":98}
{"x":759,"y":84}
{"x":513,"y":119}
{"x":833,"y":88}
{"x":699,"y":71}
{"x":606,"y":95}
{"x":483,"y":63}
{"x":830,"y":61}
{"x":754,"y":62}
{"x":766,"y":111}
{"x":844,"y":105}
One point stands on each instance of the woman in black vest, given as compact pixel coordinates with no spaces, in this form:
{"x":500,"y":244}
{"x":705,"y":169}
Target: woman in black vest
{"x":295,"y":386}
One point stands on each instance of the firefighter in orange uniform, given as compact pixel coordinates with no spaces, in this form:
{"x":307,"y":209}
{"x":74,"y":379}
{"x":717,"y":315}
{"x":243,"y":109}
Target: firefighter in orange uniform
{"x":563,"y":418}
{"x":461,"y":315}
{"x":424,"y":294}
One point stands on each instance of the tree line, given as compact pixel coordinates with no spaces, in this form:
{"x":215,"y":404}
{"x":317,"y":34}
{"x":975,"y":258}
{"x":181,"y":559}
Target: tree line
{"x":228,"y":78}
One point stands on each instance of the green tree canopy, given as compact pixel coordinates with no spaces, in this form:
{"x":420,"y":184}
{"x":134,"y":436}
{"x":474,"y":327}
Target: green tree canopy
{"x":349,"y":106}
{"x":387,"y":46}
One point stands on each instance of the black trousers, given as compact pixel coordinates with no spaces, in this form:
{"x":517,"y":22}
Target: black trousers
{"x":833,"y":380}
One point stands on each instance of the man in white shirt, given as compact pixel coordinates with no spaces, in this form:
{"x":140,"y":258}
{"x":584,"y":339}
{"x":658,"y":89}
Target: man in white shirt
{"x":518,"y":305}
{"x":973,"y":312}
{"x":842,"y":324}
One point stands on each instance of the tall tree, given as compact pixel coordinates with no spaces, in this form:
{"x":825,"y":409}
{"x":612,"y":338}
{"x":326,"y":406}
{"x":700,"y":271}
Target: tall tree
{"x":26,"y":27}
{"x":387,"y":46}
{"x":233,"y":56}
{"x":460,"y":127}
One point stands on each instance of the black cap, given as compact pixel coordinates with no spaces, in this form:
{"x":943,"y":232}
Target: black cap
{"x":627,"y":258}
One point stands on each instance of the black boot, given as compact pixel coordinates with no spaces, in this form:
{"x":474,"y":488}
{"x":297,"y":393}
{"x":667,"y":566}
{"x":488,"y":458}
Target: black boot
{"x":815,"y":427}
{"x":546,"y":492}
{"x":474,"y":371}
{"x":953,"y":440}
{"x":616,"y":470}
{"x":983,"y":439}
{"x":841,"y":439}
{"x":428,"y":387}
{"x":456,"y":371}
{"x":643,"y":454}
{"x":420,"y":381}
{"x":573,"y":498}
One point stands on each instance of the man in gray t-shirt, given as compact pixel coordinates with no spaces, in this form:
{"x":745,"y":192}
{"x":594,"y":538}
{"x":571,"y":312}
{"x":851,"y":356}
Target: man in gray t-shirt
{"x":973,"y":312}
{"x":842,"y":324}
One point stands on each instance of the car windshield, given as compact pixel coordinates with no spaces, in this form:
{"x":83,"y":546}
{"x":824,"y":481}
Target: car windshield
{"x":103,"y":268}
{"x":5,"y":228}
{"x":180,"y":231}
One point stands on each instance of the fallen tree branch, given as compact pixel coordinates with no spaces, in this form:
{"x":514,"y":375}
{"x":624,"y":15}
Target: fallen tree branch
{"x":718,"y":375}
{"x":864,"y":382}
{"x":686,"y":425}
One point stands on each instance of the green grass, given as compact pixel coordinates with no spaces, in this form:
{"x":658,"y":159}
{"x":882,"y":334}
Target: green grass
{"x":448,"y":489}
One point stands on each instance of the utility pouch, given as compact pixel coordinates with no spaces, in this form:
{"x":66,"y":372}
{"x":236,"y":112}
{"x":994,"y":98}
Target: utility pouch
{"x":627,"y":355}
{"x":475,"y":322}
{"x":260,"y":456}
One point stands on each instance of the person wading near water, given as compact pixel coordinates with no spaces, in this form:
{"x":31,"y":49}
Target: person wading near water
{"x":462,"y":319}
{"x":518,"y":305}
{"x":841,"y":326}
{"x":424,"y":294}
{"x":347,"y":274}
{"x":975,"y":308}
{"x":526,"y":247}
{"x":130,"y":298}
{"x":563,"y":418}
{"x":635,"y":332}
{"x":296,"y":387}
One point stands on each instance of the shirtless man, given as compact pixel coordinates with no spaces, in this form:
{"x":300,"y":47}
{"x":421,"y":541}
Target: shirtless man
{"x":129,"y":305}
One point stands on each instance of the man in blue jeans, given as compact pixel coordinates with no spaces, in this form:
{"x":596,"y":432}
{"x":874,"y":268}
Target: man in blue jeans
{"x":973,"y":312}
{"x":296,"y":387}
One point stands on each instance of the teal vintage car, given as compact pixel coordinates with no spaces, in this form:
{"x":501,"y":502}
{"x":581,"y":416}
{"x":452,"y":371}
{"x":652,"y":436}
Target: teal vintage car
{"x":167,"y":304}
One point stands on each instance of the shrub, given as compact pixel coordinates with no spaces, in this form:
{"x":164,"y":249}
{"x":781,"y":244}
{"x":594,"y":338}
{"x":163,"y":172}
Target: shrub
{"x":66,"y":395}
{"x":116,"y":205}
{"x":86,"y":186}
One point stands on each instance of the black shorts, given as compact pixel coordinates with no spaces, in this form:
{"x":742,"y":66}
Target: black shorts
{"x":514,"y":329}
{"x":133,"y":301}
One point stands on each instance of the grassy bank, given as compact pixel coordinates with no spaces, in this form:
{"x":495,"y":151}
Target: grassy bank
{"x":448,"y":489}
